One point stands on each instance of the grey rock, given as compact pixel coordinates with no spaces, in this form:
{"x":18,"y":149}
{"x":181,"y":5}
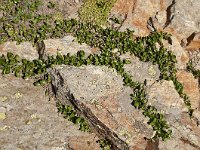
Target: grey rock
{"x":186,"y":18}
{"x":33,"y":121}
{"x":85,"y":89}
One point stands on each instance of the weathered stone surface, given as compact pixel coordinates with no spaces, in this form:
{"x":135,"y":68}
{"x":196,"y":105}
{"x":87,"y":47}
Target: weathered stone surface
{"x":190,"y":87}
{"x":141,"y":70}
{"x":63,"y":8}
{"x":100,"y":91}
{"x":182,"y":56}
{"x":83,"y":143}
{"x":177,"y":17}
{"x":185,"y":131}
{"x":192,"y":43}
{"x":24,"y":50}
{"x":164,"y":96}
{"x":195,"y":58}
{"x":193,"y":48}
{"x":67,"y":44}
{"x":185,"y":17}
{"x":137,"y":12}
{"x":31,"y":121}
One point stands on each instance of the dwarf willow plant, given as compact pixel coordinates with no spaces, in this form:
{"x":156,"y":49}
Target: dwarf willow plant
{"x":104,"y":144}
{"x":22,"y":21}
{"x":69,"y":113}
{"x":20,"y":25}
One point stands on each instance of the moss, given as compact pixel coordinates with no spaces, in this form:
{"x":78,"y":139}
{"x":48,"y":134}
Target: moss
{"x":96,"y":11}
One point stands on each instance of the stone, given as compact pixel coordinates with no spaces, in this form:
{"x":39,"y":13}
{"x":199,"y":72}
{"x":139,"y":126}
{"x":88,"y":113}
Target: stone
{"x":28,"y":120}
{"x":191,"y":88}
{"x":46,"y":128}
{"x":182,"y":56}
{"x":67,"y":44}
{"x":137,"y":13}
{"x":165,"y":98}
{"x":83,"y":143}
{"x":24,"y":50}
{"x":75,"y":86}
{"x":184,"y":17}
{"x":142,"y":70}
{"x":2,"y":116}
{"x":185,"y":132}
{"x":195,"y":59}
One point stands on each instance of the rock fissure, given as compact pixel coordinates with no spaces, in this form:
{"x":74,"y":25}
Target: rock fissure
{"x":184,"y":140}
{"x":170,"y":14}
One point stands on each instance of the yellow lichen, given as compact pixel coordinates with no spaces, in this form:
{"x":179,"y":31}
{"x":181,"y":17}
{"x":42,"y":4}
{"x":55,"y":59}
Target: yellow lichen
{"x":4,"y":128}
{"x":2,"y":116}
{"x":18,"y":95}
{"x":3,"y":98}
{"x":152,"y":71}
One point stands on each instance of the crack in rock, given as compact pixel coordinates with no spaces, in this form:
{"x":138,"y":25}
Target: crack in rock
{"x":170,"y":14}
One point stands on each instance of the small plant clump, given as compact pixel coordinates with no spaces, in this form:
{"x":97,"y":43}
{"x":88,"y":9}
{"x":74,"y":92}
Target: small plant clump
{"x":104,"y":144}
{"x":69,"y":113}
{"x":22,"y":21}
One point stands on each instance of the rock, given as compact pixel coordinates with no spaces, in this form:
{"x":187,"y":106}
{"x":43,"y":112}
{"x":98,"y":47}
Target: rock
{"x":24,"y":50}
{"x":193,"y":47}
{"x":142,"y":70}
{"x":29,"y":121}
{"x":193,"y":42}
{"x":83,"y":143}
{"x":185,"y":132}
{"x":184,"y":17}
{"x":99,"y":95}
{"x":32,"y":121}
{"x":137,"y":12}
{"x":177,"y":17}
{"x":2,"y":116}
{"x":182,"y":56}
{"x":195,"y":58}
{"x":191,"y":88}
{"x":67,"y":44}
{"x":64,"y":9}
{"x":165,"y":98}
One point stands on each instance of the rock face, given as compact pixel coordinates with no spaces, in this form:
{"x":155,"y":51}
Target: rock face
{"x":28,"y":120}
{"x":99,"y":93}
{"x":177,"y":17}
{"x":184,"y":17}
{"x":190,"y":87}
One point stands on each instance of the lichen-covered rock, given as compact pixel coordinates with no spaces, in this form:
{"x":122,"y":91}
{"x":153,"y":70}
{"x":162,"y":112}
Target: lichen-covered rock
{"x":184,"y":17}
{"x":98,"y":92}
{"x":136,"y":13}
{"x":28,"y":120}
{"x":185,"y":132}
{"x":67,"y":44}
{"x":191,"y":87}
{"x":24,"y":50}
